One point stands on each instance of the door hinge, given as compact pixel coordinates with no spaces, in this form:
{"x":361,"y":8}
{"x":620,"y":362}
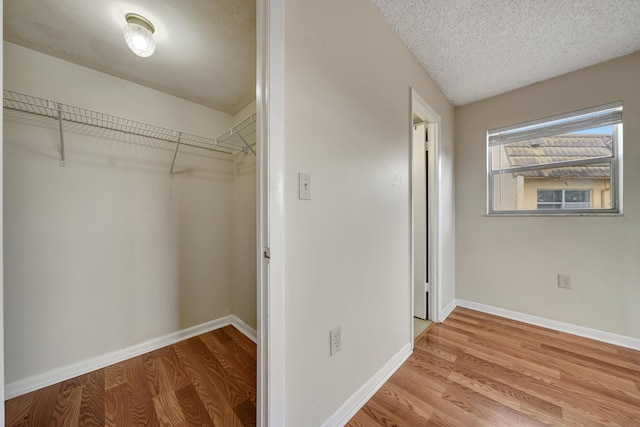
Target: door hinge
{"x":267,"y":253}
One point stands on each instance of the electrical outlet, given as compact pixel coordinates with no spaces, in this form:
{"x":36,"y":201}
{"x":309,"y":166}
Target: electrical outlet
{"x":564,"y":281}
{"x":335,"y":340}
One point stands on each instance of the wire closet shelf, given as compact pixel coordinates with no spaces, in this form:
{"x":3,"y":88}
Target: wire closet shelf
{"x":237,"y":139}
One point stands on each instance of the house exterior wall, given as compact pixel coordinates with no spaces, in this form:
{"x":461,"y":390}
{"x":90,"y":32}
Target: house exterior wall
{"x":508,"y":187}
{"x":507,"y":192}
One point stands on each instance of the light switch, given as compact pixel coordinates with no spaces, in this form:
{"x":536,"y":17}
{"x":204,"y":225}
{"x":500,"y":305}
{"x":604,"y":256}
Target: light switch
{"x":305,"y":186}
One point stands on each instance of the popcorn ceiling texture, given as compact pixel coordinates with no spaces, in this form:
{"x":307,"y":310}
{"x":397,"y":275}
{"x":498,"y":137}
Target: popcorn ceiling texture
{"x":475,"y":49}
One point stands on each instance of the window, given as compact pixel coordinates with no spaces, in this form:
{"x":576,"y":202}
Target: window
{"x":561,"y":165}
{"x":564,"y":199}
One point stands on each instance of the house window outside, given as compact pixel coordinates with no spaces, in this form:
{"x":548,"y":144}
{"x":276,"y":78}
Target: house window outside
{"x":563,"y":165}
{"x":564,"y":199}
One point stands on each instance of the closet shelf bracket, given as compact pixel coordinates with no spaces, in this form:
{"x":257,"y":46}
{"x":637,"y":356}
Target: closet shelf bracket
{"x":175,"y":154}
{"x":247,"y":144}
{"x":61,"y":126}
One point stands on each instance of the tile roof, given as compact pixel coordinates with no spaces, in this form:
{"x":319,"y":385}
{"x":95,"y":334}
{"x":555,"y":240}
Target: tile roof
{"x":561,"y":148}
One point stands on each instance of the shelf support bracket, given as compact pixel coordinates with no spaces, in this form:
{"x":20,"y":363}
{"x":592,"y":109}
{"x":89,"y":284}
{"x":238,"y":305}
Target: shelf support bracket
{"x":175,"y":154}
{"x":245,"y":143}
{"x":62,"y":156}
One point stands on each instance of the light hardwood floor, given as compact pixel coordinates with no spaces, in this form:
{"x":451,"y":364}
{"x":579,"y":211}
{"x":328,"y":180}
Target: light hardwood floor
{"x":475,"y":369}
{"x":203,"y":381}
{"x":420,"y":326}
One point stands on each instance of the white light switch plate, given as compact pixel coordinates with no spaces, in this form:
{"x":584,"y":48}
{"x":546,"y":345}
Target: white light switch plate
{"x":305,"y":186}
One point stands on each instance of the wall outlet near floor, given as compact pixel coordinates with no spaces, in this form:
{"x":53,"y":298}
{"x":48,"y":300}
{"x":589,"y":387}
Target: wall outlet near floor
{"x":564,"y":281}
{"x":335,"y":337}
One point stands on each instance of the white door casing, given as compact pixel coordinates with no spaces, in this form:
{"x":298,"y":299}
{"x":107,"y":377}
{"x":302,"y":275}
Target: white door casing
{"x":422,"y":109}
{"x":270,"y":215}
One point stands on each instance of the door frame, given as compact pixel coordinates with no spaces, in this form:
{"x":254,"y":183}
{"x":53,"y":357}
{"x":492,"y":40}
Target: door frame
{"x":1,"y":232}
{"x":422,"y":109}
{"x":270,"y":168}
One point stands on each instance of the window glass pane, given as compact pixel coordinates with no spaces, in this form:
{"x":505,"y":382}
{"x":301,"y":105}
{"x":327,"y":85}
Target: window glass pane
{"x":585,"y":144}
{"x":564,"y":199}
{"x":577,"y":196}
{"x":576,"y":187}
{"x":584,"y":205}
{"x":506,"y":193}
{"x":549,"y":196}
{"x":565,"y":163}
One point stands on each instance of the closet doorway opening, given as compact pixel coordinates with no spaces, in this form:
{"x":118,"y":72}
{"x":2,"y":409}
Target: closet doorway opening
{"x":129,"y":185}
{"x":424,"y":233}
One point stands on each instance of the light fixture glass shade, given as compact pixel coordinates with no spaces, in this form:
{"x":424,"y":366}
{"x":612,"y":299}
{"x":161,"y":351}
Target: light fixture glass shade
{"x":138,"y":34}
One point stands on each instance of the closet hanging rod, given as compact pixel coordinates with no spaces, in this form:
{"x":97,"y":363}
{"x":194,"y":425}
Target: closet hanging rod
{"x":226,"y":143}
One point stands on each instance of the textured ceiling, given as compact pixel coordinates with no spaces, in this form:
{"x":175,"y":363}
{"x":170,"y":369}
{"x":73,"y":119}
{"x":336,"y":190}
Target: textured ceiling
{"x":474,"y":49}
{"x":205,"y":48}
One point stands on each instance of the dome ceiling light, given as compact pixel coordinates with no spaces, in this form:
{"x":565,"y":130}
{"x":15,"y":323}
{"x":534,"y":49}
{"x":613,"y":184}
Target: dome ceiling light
{"x":138,"y":34}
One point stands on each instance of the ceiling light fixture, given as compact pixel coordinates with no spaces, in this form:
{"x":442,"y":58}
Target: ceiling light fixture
{"x":139,"y":35}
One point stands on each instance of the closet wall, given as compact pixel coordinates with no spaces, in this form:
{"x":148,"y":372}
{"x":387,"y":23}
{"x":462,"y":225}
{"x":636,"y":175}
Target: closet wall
{"x":243,"y":240}
{"x":110,"y":250}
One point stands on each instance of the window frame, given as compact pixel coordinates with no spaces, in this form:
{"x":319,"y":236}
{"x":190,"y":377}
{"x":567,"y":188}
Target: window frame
{"x":550,"y":126}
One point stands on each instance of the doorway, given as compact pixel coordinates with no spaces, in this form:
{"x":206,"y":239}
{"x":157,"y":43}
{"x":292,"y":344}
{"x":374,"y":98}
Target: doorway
{"x":424,"y":208}
{"x":420,"y":216}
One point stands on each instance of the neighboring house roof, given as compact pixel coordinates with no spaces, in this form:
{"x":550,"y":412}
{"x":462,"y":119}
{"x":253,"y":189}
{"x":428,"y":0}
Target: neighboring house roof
{"x":561,"y":148}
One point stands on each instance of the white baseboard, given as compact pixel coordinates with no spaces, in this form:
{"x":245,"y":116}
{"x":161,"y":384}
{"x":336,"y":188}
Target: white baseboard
{"x":594,"y":334}
{"x":447,"y":310}
{"x":247,"y":330}
{"x":36,"y":382}
{"x":364,"y":393}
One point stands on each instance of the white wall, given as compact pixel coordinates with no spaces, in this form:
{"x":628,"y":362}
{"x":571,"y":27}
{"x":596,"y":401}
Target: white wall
{"x":109,"y":250}
{"x":347,"y":251}
{"x":512,"y":262}
{"x":245,"y":112}
{"x":243,"y":241}
{"x":53,"y":78}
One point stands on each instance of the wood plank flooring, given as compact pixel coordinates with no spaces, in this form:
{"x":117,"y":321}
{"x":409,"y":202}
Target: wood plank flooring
{"x":475,"y":369}
{"x":208,"y":380}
